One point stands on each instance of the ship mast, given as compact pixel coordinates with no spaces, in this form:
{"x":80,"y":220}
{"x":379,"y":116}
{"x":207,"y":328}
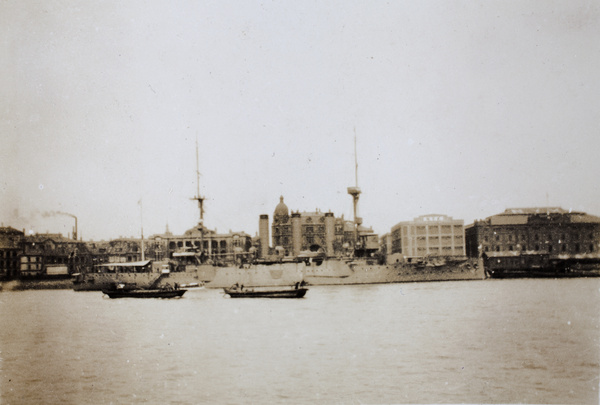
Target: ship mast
{"x":355,"y":192}
{"x":142,"y":227}
{"x":200,"y":200}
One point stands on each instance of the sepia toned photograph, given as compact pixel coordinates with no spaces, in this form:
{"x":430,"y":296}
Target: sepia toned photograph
{"x":309,"y":202}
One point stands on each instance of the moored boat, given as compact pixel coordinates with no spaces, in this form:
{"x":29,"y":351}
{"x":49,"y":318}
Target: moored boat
{"x":141,"y":293}
{"x":540,"y":265}
{"x":238,"y":291}
{"x":142,"y":273}
{"x":122,"y":290}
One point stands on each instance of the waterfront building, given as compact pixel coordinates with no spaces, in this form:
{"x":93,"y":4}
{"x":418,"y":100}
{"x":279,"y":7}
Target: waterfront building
{"x":118,"y":250}
{"x":551,"y":231}
{"x":218,"y":247}
{"x":385,"y":244}
{"x":11,"y":247}
{"x":316,"y":231}
{"x":214,"y":246}
{"x":428,"y":235}
{"x":51,"y":254}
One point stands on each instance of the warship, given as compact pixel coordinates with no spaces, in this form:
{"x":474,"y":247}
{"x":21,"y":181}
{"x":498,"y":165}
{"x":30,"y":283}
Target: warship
{"x":361,"y":263}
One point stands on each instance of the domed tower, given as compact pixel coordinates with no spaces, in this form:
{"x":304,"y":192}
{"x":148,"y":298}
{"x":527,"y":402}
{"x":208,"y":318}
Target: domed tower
{"x":281,"y":214}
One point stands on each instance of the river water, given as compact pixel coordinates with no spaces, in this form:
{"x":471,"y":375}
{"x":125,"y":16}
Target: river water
{"x":490,"y":341}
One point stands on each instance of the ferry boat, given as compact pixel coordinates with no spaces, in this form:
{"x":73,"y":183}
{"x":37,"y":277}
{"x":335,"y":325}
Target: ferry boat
{"x":144,"y":274}
{"x":540,"y":265}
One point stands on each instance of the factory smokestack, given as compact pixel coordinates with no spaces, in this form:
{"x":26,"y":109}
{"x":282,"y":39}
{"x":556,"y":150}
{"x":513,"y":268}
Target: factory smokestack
{"x":75,"y":229}
{"x":54,"y":213}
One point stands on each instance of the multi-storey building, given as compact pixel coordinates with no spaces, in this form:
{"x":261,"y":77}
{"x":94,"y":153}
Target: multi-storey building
{"x":429,"y":235}
{"x":199,"y":241}
{"x":313,"y":231}
{"x":552,"y":230}
{"x":52,"y":255}
{"x":219,"y":247}
{"x":11,"y":247}
{"x":385,"y":244}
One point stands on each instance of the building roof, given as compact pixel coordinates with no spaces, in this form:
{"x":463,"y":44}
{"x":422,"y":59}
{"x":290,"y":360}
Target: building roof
{"x":434,"y":219}
{"x":54,"y":237}
{"x":195,"y":232}
{"x":534,"y":210}
{"x":10,"y":230}
{"x":521,"y":216}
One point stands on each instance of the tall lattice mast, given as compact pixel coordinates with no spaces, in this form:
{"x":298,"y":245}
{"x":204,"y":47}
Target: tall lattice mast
{"x":355,"y":191}
{"x":198,"y":197}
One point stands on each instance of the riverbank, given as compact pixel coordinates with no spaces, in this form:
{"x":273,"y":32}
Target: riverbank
{"x":21,"y":285}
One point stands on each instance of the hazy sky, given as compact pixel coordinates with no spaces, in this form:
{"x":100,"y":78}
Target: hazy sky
{"x":463,"y":108}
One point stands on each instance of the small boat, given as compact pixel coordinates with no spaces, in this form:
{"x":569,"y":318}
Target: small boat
{"x":265,"y":292}
{"x":131,"y":291}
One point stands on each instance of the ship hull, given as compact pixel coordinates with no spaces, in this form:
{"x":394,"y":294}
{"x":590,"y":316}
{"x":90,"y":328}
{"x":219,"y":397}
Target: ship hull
{"x":541,"y":266}
{"x":144,"y":293}
{"x":270,"y":293}
{"x":328,"y":272}
{"x":338,"y":272}
{"x":528,"y":273}
{"x":209,"y":276}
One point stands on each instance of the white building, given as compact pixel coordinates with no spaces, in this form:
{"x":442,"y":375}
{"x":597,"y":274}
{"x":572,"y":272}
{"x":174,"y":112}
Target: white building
{"x":429,"y":235}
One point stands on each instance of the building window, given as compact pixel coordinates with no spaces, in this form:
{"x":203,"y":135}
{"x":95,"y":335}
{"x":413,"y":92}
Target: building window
{"x":564,"y":248}
{"x":510,"y":247}
{"x":591,"y":247}
{"x":577,"y":248}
